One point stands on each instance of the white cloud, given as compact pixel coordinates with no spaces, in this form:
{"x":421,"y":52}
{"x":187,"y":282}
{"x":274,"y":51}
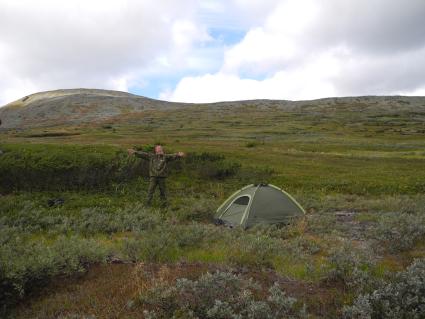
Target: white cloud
{"x":225,"y":87}
{"x":290,"y":49}
{"x":50,"y":44}
{"x":416,"y":92}
{"x":308,"y":81}
{"x":259,"y":52}
{"x":185,"y":33}
{"x":307,"y":49}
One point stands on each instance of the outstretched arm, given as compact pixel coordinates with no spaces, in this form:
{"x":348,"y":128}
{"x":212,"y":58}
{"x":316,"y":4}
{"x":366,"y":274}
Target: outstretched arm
{"x":172,"y":157}
{"x":140,"y":154}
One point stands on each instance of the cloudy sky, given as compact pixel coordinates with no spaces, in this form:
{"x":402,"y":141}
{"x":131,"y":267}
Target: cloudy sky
{"x":212,"y":50}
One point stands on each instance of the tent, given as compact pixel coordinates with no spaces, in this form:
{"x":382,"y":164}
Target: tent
{"x":256,"y":204}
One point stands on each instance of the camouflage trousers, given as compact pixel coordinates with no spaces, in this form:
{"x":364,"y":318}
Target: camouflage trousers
{"x":153,"y":183}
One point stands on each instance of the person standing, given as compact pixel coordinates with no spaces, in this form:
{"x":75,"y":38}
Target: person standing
{"x":158,"y":170}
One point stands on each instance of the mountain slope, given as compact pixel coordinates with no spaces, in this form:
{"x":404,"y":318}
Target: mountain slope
{"x":73,"y":106}
{"x":77,"y":106}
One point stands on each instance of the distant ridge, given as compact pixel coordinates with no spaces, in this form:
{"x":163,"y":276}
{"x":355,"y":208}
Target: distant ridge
{"x":79,"y":106}
{"x":73,"y":106}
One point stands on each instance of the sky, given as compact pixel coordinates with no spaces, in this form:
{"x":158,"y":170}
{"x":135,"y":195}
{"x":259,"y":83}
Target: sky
{"x":214,"y":50}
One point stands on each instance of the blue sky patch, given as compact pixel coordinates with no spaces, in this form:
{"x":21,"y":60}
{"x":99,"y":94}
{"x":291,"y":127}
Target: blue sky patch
{"x":227,"y":36}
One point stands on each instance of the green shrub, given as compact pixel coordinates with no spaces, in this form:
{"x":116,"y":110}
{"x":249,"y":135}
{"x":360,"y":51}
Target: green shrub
{"x":52,"y":134}
{"x":278,"y":231}
{"x":351,"y":267}
{"x":399,"y":231}
{"x":197,"y":209}
{"x":254,"y":250}
{"x":402,"y":298}
{"x":204,"y":157}
{"x":218,"y":295}
{"x":193,"y":235}
{"x":302,"y":246}
{"x":63,"y":167}
{"x":26,"y":265}
{"x":94,"y":220}
{"x":133,"y":218}
{"x":166,"y":242}
{"x":324,"y":223}
{"x":210,"y":166}
{"x":251,"y":144}
{"x":86,"y":167}
{"x":158,"y":246}
{"x":218,"y":170}
{"x":149,"y":148}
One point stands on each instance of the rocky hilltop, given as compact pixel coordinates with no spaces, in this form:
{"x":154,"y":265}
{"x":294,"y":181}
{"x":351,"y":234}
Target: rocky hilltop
{"x":79,"y":106}
{"x":74,"y":106}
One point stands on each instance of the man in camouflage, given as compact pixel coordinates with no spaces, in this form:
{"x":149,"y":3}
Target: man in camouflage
{"x":158,"y":171}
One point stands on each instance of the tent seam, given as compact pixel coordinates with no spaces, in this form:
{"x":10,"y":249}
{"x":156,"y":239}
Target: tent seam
{"x":246,"y":214}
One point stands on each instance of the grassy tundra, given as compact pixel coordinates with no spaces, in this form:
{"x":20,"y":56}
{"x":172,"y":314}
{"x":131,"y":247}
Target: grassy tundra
{"x":359,"y":175}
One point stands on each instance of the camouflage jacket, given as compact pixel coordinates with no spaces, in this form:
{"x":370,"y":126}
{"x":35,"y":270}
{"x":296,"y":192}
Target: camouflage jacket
{"x":157,"y":163}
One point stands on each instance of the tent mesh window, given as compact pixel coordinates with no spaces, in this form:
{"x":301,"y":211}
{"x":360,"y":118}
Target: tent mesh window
{"x":236,"y":210}
{"x":244,"y":200}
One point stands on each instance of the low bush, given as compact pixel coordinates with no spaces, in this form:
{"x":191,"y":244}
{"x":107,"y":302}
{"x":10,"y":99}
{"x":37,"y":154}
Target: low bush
{"x":94,"y":220}
{"x":219,"y":295}
{"x":210,"y":166}
{"x":26,"y":265}
{"x":218,"y":170}
{"x":404,"y":297}
{"x":281,"y":231}
{"x":157,"y":246}
{"x":166,"y":242}
{"x":254,"y":250}
{"x":64,"y":167}
{"x":399,"y":231}
{"x":322,"y":223}
{"x":251,"y":144}
{"x":351,"y":267}
{"x":86,"y":167}
{"x":204,"y":157}
{"x":200,"y":208}
{"x":302,"y":246}
{"x":133,"y":218}
{"x":52,"y":134}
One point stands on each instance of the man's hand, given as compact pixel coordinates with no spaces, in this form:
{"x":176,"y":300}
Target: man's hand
{"x":181,"y":154}
{"x":130,"y":151}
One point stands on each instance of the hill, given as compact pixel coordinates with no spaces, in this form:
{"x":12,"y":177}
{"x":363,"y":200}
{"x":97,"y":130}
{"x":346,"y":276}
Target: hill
{"x":74,"y":106}
{"x":79,"y":106}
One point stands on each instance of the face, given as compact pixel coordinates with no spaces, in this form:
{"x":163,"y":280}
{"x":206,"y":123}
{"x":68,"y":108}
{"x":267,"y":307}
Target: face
{"x":159,"y":150}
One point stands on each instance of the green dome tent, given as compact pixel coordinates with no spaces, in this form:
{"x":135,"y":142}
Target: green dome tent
{"x":256,"y":204}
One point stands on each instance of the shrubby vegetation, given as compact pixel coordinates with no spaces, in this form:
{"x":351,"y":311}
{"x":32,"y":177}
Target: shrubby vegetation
{"x":65,"y":167}
{"x":87,"y":221}
{"x":351,"y":267}
{"x":404,"y":297}
{"x":211,"y":166}
{"x":219,"y":295}
{"x":26,"y":265}
{"x":101,"y":219}
{"x":400,"y":231}
{"x":63,"y":240}
{"x":166,"y":242}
